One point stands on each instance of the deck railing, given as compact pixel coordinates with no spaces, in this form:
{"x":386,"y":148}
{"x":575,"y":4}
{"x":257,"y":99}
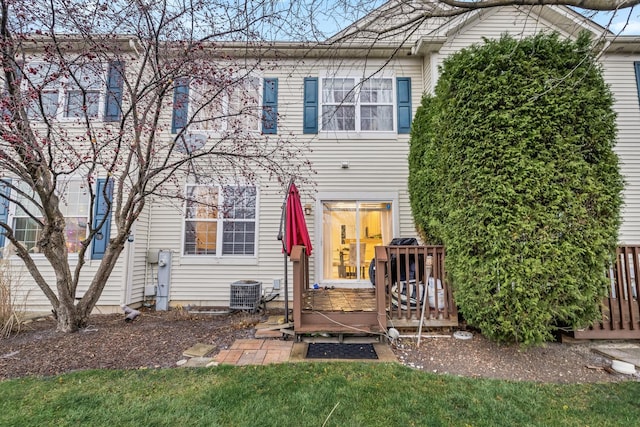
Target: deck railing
{"x":621,"y":309}
{"x":403,"y":275}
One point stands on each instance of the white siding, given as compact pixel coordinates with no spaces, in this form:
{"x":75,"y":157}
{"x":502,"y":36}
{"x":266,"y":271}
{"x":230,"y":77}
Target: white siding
{"x":141,"y":272}
{"x":37,"y":301}
{"x":619,"y":73}
{"x":376,"y":165}
{"x":492,"y":24}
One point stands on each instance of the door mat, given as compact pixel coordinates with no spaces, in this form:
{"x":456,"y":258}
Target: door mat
{"x":340,"y":351}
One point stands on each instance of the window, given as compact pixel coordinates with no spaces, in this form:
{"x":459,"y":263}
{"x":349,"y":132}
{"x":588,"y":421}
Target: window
{"x":351,"y":230}
{"x":83,"y":91}
{"x":74,"y":204}
{"x":227,"y":105}
{"x":26,"y":229}
{"x":43,"y":91}
{"x":349,"y":104}
{"x":338,"y":104}
{"x":220,"y":220}
{"x":75,"y":208}
{"x":79,"y":94}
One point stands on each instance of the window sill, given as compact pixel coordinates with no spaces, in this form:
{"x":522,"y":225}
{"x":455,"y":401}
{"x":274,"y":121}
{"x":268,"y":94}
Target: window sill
{"x":357,"y":135}
{"x":213,"y":260}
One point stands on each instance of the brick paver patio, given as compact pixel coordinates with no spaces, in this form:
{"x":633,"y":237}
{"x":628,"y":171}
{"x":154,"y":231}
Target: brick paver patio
{"x":267,"y":351}
{"x":255,"y":352}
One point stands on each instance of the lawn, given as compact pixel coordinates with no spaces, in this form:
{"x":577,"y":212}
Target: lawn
{"x":308,"y":394}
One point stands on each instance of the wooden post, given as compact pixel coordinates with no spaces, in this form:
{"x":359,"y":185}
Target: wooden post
{"x":381,"y":285}
{"x":300,"y":281}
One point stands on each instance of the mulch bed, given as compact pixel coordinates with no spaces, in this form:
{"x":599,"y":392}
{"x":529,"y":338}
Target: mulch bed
{"x":158,"y":339}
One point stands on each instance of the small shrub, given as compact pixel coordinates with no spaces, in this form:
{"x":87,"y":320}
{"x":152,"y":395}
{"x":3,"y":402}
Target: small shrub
{"x":12,"y":302}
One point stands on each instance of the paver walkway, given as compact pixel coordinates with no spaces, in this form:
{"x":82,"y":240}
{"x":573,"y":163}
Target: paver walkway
{"x":267,"y":351}
{"x":626,"y":351}
{"x":255,"y":352}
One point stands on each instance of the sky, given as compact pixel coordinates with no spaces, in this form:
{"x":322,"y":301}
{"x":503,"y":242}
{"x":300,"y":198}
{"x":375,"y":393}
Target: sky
{"x":625,"y":22}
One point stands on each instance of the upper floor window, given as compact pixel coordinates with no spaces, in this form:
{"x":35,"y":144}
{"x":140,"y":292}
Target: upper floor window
{"x":220,"y":220}
{"x":43,"y":90}
{"x":226,"y":105}
{"x":78,"y":92}
{"x":83,"y":89}
{"x":349,"y":104}
{"x":74,"y":204}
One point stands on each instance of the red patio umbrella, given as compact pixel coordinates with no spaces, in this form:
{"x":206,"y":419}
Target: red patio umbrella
{"x":296,"y":232}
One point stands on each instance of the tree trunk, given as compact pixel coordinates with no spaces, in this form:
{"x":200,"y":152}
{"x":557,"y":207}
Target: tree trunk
{"x":68,"y":318}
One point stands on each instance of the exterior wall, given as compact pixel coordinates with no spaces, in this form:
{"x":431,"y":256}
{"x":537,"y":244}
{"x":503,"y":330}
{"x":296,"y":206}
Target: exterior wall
{"x":37,"y":301}
{"x":619,"y":73}
{"x":492,"y":24}
{"x":377,"y":165}
{"x":138,"y":270}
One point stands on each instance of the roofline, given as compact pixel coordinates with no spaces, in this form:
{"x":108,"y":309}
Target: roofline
{"x":278,"y":49}
{"x":622,"y":44}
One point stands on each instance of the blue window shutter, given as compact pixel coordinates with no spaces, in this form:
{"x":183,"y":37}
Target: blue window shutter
{"x":113,"y":104}
{"x":403,"y":94}
{"x":180,"y":104}
{"x":270,"y":106}
{"x":5,"y":190}
{"x":310,"y":118}
{"x":101,"y":210}
{"x":637,"y":67}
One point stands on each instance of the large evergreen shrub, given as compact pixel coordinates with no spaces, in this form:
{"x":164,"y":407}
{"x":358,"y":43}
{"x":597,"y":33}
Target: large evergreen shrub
{"x":512,"y":168}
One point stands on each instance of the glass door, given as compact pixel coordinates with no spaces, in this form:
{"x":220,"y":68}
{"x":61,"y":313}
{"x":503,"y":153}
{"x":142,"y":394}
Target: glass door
{"x":351,"y":231}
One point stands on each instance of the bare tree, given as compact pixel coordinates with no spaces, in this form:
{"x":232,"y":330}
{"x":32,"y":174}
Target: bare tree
{"x":55,"y":143}
{"x":59,"y":55}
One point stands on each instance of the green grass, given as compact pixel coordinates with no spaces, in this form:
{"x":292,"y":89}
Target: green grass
{"x":305,"y":394}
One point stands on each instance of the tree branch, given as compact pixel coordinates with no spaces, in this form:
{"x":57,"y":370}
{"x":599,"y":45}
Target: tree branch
{"x":599,"y":5}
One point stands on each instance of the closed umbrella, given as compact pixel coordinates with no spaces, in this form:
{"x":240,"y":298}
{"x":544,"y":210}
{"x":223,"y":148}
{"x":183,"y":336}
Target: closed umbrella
{"x":296,"y":232}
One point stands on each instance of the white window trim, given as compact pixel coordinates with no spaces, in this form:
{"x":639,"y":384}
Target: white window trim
{"x":63,"y":86}
{"x":350,"y":197}
{"x":357,"y":133}
{"x":37,"y":255}
{"x":219,"y":258}
{"x":224,"y":121}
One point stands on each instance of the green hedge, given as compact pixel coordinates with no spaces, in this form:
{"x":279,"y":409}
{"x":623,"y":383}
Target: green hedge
{"x":512,"y":168}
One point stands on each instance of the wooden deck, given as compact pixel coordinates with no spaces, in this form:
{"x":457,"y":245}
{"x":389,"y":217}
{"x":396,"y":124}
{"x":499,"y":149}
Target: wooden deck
{"x":372,"y":311}
{"x":340,"y":299}
{"x":350,"y":311}
{"x":621,"y":309}
{"x":341,"y":310}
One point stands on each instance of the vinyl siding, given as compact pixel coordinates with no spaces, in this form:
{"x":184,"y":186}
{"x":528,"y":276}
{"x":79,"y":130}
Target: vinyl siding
{"x":426,"y":74}
{"x":492,"y":24}
{"x":376,"y":165}
{"x":37,"y":301}
{"x":619,"y":73}
{"x":140,"y":274}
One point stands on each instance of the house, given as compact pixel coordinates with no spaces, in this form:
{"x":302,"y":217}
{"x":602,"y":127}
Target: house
{"x":349,"y":104}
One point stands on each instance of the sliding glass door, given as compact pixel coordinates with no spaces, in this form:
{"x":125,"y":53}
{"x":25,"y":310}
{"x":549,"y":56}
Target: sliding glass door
{"x":351,"y":230}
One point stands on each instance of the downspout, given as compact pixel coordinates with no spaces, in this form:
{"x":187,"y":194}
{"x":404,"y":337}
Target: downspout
{"x":146,"y":251}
